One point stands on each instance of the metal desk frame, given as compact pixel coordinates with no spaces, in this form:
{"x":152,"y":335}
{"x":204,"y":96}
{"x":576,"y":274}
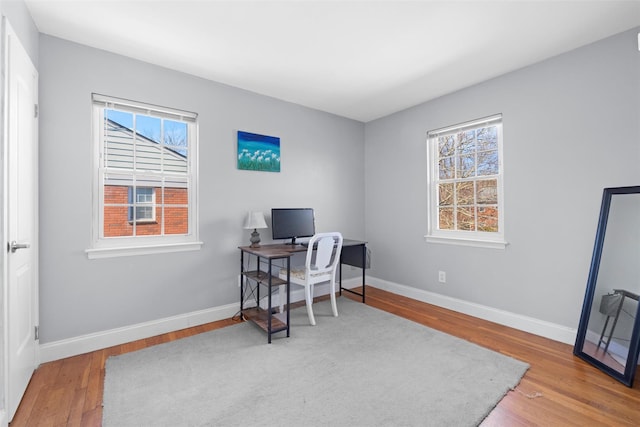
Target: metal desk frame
{"x":354,"y":253}
{"x":625,"y":294}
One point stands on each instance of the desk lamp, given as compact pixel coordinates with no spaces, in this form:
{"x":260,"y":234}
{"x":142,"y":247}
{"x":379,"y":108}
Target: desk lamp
{"x":255,"y":220}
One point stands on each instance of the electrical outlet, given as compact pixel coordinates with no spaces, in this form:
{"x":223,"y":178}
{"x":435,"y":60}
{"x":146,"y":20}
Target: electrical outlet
{"x":442,"y":277}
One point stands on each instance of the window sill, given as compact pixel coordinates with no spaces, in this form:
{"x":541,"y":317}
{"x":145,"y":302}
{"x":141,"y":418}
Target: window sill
{"x":97,"y":253}
{"x":490,"y":244}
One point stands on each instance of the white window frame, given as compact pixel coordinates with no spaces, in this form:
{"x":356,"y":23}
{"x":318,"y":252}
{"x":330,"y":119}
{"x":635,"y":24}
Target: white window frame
{"x":461,"y":237}
{"x":102,"y":247}
{"x":146,"y":204}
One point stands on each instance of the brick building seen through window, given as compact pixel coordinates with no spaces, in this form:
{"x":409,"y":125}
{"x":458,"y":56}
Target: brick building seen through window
{"x":118,"y":221}
{"x":140,"y":199}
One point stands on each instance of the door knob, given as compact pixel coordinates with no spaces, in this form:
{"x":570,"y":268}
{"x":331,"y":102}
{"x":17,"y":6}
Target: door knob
{"x":14,"y":246}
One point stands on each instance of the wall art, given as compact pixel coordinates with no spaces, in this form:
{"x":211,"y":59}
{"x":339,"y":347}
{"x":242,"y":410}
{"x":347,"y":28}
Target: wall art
{"x":258,"y":152}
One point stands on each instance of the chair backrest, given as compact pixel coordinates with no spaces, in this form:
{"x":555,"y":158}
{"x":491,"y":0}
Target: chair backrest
{"x":328,"y":247}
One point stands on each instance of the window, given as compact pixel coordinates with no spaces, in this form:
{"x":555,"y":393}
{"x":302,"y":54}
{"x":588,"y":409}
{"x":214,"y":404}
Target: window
{"x":145,"y":179}
{"x":144,"y":204}
{"x":465,"y":184}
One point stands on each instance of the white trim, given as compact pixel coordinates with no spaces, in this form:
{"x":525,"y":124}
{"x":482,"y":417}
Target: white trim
{"x":4,"y":316}
{"x":96,"y":341}
{"x":98,"y":253}
{"x":99,"y":340}
{"x":466,"y":242}
{"x":517,"y":321}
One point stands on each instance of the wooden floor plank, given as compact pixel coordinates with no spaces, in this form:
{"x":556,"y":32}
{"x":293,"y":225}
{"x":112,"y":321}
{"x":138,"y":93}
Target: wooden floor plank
{"x":558,"y":389}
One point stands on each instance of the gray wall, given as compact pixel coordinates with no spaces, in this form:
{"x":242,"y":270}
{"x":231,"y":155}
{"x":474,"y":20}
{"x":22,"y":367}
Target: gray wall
{"x":322,"y":167}
{"x":571,"y":128}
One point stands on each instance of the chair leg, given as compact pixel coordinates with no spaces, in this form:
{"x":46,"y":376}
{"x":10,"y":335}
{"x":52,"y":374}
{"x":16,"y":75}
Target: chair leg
{"x":334,"y":306}
{"x":308,"y":290}
{"x":282,"y":297}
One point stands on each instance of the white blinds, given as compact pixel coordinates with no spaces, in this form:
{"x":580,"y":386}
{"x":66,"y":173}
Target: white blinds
{"x":486,"y":121}
{"x":142,"y":108}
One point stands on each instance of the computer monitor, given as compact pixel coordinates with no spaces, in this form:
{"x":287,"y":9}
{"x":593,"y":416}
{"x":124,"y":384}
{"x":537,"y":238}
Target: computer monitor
{"x":291,"y":223}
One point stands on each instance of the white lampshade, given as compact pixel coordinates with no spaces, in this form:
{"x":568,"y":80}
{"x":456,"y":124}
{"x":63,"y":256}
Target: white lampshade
{"x":255,"y":220}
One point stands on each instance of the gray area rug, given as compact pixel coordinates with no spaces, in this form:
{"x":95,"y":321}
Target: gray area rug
{"x":364,"y":368}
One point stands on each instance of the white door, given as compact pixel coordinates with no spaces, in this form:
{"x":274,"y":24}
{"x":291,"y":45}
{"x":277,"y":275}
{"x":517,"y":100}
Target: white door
{"x":21,"y":203}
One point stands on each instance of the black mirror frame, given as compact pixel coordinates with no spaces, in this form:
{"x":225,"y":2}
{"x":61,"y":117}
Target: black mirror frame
{"x":632,"y":358}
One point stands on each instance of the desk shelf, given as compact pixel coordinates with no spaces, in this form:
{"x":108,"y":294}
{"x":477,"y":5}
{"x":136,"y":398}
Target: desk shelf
{"x":354,"y":253}
{"x":262,"y":277}
{"x":261,"y":318}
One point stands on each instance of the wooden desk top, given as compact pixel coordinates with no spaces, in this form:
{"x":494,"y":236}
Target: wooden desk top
{"x":627,"y":294}
{"x":273,"y":251}
{"x":282,"y":250}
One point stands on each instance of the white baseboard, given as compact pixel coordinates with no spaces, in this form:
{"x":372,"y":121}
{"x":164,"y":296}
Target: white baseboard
{"x":86,"y":343}
{"x":96,"y":341}
{"x":524,"y":323}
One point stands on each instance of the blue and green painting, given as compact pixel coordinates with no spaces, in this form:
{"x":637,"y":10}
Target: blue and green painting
{"x":258,"y":152}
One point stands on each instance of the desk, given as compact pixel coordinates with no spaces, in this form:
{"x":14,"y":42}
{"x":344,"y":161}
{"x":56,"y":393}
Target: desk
{"x":354,"y":252}
{"x":624,"y":294}
{"x":265,"y":319}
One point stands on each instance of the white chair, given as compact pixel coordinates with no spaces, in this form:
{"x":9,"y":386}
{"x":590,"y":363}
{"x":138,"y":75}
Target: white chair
{"x":323,"y":256}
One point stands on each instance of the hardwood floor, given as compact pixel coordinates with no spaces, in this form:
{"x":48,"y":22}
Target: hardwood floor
{"x":558,"y":390}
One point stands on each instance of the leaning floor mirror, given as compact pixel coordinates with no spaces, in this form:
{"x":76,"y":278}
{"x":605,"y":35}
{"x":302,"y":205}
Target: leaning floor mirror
{"x":609,"y":330}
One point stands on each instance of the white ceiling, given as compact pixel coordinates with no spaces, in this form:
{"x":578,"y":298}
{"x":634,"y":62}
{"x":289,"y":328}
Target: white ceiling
{"x":357,"y":59}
